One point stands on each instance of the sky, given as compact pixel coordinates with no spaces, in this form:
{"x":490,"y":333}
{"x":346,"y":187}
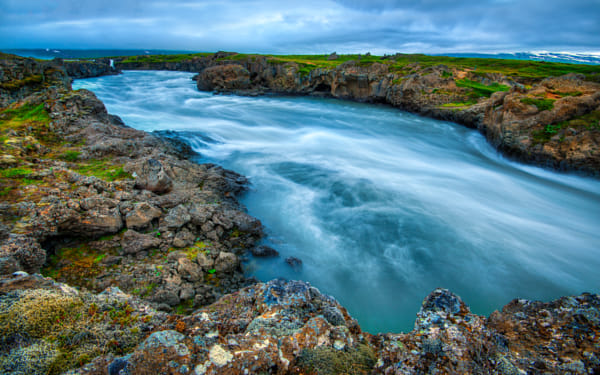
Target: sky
{"x":307,"y":26}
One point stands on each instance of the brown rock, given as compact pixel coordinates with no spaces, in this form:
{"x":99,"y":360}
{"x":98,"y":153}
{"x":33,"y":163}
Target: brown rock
{"x":224,"y":77}
{"x":134,"y":242}
{"x":141,"y":216}
{"x":226,"y":262}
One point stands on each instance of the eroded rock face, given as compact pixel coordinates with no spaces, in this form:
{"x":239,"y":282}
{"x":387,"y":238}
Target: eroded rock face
{"x":289,"y":327}
{"x":224,"y":78}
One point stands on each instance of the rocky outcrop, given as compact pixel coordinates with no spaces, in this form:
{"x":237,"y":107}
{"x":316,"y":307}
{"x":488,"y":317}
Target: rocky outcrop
{"x":519,"y":130}
{"x":21,"y":77}
{"x":113,"y":206}
{"x":90,"y":68}
{"x":289,"y":327}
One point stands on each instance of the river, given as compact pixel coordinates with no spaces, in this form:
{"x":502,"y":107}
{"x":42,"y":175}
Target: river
{"x":382,"y":206}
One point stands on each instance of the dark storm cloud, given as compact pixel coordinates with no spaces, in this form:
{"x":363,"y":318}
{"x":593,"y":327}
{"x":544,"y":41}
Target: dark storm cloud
{"x":309,"y":26}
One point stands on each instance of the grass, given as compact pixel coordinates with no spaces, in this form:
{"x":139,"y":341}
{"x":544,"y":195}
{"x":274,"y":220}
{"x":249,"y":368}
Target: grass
{"x":163,"y":58}
{"x":17,"y":172}
{"x":71,"y":156}
{"x":103,"y":169}
{"x":590,"y":121}
{"x":523,"y":70}
{"x":541,"y":104}
{"x":481,"y":89}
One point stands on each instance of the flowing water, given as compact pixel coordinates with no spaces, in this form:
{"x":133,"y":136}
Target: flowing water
{"x":382,"y":206}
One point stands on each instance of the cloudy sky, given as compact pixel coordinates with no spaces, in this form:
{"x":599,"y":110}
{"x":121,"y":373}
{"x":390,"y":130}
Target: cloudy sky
{"x":307,"y":26}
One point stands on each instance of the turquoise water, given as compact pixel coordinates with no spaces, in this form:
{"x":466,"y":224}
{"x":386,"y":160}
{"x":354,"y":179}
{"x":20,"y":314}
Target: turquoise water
{"x":381,"y":205}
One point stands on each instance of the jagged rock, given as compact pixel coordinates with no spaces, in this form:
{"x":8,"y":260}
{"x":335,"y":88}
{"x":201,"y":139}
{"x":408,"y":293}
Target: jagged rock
{"x":21,"y":253}
{"x":294,"y":262}
{"x":201,"y":213}
{"x":183,"y":238}
{"x":264,"y":251}
{"x":224,"y":77}
{"x":177,"y":217}
{"x":93,"y":223}
{"x":170,"y":297}
{"x":151,"y":176}
{"x":189,"y":270}
{"x":226,"y":262}
{"x":141,"y":216}
{"x":133,"y":242}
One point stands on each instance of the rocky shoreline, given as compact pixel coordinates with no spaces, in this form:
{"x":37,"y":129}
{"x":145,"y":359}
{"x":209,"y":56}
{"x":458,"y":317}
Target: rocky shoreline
{"x":146,"y":236}
{"x":551,"y":122}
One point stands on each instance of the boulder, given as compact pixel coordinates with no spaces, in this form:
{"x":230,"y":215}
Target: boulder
{"x":294,"y":262}
{"x":226,"y":262}
{"x":189,"y":270}
{"x":141,"y":216}
{"x":150,"y":175}
{"x":134,"y":242}
{"x":183,"y":238}
{"x":21,"y":253}
{"x":264,"y":251}
{"x":177,"y":217}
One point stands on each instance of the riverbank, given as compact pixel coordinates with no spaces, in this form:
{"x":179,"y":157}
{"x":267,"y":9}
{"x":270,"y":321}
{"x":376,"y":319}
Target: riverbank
{"x":88,"y":199}
{"x":535,"y":112}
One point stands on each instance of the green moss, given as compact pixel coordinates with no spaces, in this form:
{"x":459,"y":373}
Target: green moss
{"x":563,"y":94}
{"x":103,"y":169}
{"x":70,"y":155}
{"x":481,"y":89}
{"x":326,"y":360}
{"x":17,"y":172}
{"x":541,"y":104}
{"x":587,"y":122}
{"x":185,"y":307}
{"x":16,"y":84}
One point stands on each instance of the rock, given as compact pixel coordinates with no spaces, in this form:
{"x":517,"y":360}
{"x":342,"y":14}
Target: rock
{"x":21,"y":253}
{"x":151,"y":176}
{"x":134,"y":242}
{"x":117,"y":365}
{"x":226,"y":262}
{"x":264,"y":251}
{"x":224,"y":77}
{"x":219,"y":356}
{"x":92,"y":223}
{"x":294,"y":262}
{"x":183,"y":238}
{"x":169,"y":297}
{"x":177,"y":217}
{"x":189,"y":270}
{"x":201,"y":213}
{"x":141,"y":216}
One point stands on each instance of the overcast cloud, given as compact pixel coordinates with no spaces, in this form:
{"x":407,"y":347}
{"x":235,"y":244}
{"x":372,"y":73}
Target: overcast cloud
{"x":308,"y":26}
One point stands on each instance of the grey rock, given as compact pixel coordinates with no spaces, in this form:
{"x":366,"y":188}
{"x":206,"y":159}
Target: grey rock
{"x":151,"y":176}
{"x":189,"y":270}
{"x":264,"y":251}
{"x":226,"y":262}
{"x":183,"y":238}
{"x":166,"y":296}
{"x":294,"y":262}
{"x":21,"y":253}
{"x":134,"y":242}
{"x":141,"y":216}
{"x":177,"y":217}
